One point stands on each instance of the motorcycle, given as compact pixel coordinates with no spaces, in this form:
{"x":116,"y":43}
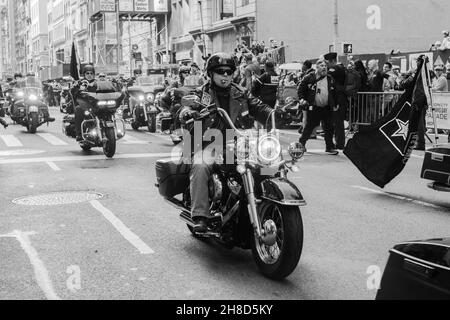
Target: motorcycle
{"x":144,"y":110}
{"x":168,"y":119}
{"x":100,"y":128}
{"x":27,"y":107}
{"x":255,"y":206}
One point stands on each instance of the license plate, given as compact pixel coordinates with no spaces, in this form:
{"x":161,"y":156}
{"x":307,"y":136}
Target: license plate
{"x":110,"y":124}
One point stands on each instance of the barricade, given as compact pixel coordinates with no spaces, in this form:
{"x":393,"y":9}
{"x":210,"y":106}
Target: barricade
{"x":366,"y":108}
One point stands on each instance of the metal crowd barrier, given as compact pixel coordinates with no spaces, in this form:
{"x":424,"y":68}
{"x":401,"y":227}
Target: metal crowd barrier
{"x":366,"y":108}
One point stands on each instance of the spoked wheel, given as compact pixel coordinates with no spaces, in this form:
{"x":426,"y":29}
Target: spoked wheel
{"x":109,"y":147}
{"x":279,"y":260}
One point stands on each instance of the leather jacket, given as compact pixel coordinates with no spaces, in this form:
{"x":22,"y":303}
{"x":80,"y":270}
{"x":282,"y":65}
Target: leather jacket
{"x":307,"y":90}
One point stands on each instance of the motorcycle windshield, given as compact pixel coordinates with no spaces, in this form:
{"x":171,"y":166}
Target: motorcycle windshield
{"x":154,"y":80}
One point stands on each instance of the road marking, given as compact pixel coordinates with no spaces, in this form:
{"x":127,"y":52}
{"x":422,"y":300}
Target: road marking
{"x":11,"y":141}
{"x":40,"y":271}
{"x":123,"y":230}
{"x":422,"y":203}
{"x":53,"y":140}
{"x":129,"y":139}
{"x":160,"y":136}
{"x":89,"y":158}
{"x":53,"y":166}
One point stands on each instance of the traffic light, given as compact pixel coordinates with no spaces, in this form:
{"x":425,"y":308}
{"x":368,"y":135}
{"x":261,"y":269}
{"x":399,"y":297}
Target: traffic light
{"x":348,"y":48}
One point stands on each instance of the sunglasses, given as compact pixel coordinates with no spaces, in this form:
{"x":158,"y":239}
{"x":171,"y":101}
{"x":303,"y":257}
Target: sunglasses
{"x":224,"y":72}
{"x":91,"y":73}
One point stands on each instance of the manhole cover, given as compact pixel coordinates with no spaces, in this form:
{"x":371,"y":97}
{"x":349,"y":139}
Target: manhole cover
{"x":58,"y":198}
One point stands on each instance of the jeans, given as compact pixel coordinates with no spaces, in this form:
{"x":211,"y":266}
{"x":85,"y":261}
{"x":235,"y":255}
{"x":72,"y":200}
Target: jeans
{"x":313,"y":119}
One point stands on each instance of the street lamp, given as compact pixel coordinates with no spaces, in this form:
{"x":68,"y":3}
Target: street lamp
{"x":203,"y":29}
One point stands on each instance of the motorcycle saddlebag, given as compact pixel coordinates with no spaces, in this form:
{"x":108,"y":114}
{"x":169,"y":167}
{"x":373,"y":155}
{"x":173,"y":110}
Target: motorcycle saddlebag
{"x":417,"y":270}
{"x":436,"y":165}
{"x":172,"y":177}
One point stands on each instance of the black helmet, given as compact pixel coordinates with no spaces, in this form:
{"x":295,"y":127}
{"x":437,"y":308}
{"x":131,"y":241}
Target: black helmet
{"x":18,"y":75}
{"x":184,"y":69}
{"x":87,"y":68}
{"x":220,"y":60}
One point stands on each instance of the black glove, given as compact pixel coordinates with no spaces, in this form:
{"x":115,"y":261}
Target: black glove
{"x":188,"y":115}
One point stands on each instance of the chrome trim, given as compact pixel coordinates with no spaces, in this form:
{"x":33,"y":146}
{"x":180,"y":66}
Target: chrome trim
{"x":423,"y":261}
{"x":291,"y":203}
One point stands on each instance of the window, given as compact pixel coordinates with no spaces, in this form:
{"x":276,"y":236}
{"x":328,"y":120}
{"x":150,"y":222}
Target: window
{"x":245,"y":2}
{"x":224,"y":9}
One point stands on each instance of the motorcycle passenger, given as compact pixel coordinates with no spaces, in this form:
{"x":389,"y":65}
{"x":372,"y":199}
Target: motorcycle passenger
{"x":89,"y":76}
{"x":239,"y":104}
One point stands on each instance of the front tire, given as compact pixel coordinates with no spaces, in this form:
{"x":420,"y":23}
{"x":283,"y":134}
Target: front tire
{"x":109,"y":147}
{"x":280,"y":260}
{"x":151,"y":123}
{"x":33,"y":122}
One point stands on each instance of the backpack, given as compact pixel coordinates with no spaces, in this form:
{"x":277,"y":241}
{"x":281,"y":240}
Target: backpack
{"x":353,"y":82}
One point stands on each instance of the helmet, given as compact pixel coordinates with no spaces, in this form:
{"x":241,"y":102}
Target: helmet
{"x":220,"y":60}
{"x":87,"y":68}
{"x":18,"y":75}
{"x":184,"y":69}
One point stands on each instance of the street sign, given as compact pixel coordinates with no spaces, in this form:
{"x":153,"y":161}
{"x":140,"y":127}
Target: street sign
{"x":348,"y":48}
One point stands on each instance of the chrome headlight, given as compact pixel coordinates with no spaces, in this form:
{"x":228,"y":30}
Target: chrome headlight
{"x":20,"y":94}
{"x":296,"y":151}
{"x":141,"y":98}
{"x":33,"y":97}
{"x":269,"y":149}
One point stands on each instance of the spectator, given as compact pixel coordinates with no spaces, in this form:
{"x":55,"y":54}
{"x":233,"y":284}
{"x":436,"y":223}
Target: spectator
{"x":317,"y":94}
{"x":387,"y":69}
{"x":375,"y":77}
{"x":359,"y":67}
{"x":446,"y":41}
{"x":440,"y":84}
{"x":265,"y":87}
{"x":397,"y":76}
{"x":337,"y":72}
{"x":307,"y":69}
{"x":251,"y":70}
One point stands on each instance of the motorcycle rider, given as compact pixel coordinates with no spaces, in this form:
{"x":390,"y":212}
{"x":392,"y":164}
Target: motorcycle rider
{"x":89,"y":77}
{"x":239,"y":104}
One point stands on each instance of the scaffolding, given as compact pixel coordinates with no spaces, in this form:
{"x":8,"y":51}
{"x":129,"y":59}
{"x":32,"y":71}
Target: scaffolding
{"x":107,"y":30}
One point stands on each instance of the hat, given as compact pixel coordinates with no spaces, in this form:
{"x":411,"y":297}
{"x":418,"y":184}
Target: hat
{"x":330,"y":56}
{"x":439,"y":67}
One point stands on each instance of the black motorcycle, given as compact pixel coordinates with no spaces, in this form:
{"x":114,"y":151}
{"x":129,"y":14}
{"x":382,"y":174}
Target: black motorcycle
{"x":27,"y":107}
{"x":254,"y":205}
{"x":100,"y":127}
{"x":168,"y":118}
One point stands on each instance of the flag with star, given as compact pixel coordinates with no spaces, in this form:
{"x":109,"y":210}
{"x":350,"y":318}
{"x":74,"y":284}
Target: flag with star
{"x":382,"y":150}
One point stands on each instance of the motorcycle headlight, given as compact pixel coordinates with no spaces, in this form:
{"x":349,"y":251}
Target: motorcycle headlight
{"x":141,"y":98}
{"x":269,"y":149}
{"x":296,"y":150}
{"x":20,"y":94}
{"x":150,"y":97}
{"x":33,"y":97}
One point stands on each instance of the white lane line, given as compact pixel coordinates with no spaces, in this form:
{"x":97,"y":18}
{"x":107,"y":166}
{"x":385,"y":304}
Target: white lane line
{"x":11,"y":141}
{"x":53,"y":166}
{"x":123,"y":230}
{"x":53,"y":140}
{"x":422,"y":203}
{"x":129,"y":139}
{"x":40,"y":271}
{"x":89,"y":158}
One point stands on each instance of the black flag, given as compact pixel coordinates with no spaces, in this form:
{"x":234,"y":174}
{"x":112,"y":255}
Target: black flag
{"x":381,"y":151}
{"x":74,"y":71}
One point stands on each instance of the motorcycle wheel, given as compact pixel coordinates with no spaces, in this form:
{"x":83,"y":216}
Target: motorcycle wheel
{"x":280,"y":260}
{"x":109,"y":147}
{"x":152,"y":123}
{"x":33,"y":123}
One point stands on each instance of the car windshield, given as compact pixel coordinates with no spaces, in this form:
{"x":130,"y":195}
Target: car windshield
{"x":153,"y":80}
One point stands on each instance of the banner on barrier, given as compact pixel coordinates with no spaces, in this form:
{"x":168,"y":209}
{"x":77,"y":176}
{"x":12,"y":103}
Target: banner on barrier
{"x":441,"y":103}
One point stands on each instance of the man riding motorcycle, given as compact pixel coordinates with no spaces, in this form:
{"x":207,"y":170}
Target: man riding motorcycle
{"x":89,"y":76}
{"x":239,"y":104}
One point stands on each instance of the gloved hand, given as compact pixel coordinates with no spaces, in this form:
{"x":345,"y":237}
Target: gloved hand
{"x":187,"y":115}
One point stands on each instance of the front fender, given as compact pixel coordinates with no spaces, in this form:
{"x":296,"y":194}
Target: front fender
{"x":282,"y":191}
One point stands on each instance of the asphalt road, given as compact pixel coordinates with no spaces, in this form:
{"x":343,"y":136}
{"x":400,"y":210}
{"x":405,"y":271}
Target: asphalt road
{"x":129,"y":244}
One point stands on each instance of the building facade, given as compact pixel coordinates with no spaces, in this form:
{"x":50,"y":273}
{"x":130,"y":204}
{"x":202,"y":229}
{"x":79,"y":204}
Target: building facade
{"x":39,"y":38}
{"x":309,"y":27}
